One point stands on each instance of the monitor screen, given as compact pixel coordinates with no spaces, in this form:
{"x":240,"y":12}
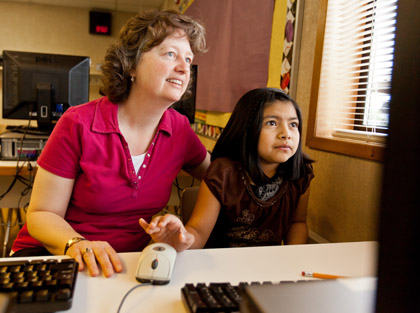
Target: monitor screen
{"x":186,"y":105}
{"x":41,"y":86}
{"x":399,"y":236}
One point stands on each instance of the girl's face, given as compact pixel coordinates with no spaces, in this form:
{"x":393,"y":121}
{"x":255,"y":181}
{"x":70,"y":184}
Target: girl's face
{"x":279,"y":137}
{"x":164,"y":71}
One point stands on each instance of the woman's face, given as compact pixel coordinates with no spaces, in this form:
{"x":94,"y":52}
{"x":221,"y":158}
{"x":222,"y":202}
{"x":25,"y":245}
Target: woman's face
{"x":279,"y":137}
{"x":163,"y":72}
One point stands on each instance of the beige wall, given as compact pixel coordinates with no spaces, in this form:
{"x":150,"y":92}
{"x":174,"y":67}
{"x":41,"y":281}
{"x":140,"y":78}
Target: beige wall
{"x":55,"y":29}
{"x":345,"y":193}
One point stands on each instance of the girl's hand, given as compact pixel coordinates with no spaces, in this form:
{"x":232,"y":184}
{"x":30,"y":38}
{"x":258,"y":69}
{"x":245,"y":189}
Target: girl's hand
{"x":91,"y":253}
{"x":168,"y":229}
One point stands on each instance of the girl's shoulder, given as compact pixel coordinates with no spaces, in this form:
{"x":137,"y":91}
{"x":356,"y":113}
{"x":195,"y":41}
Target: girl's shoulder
{"x":225,"y":180}
{"x":309,"y":169}
{"x":225,"y":164}
{"x":305,"y":180}
{"x":224,"y":167}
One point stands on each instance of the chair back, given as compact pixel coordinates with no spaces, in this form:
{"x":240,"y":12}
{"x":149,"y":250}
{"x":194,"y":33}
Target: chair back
{"x":188,"y":199}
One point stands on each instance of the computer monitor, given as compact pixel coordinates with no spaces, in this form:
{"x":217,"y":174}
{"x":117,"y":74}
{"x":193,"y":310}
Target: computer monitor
{"x":186,"y":105}
{"x":41,"y":86}
{"x":399,"y":235}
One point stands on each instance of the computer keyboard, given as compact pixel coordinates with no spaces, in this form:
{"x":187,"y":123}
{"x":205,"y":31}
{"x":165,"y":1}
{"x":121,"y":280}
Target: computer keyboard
{"x":215,"y":297}
{"x":45,"y":285}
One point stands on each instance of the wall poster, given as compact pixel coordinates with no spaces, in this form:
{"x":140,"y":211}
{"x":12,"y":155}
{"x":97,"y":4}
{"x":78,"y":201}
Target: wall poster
{"x":291,"y":46}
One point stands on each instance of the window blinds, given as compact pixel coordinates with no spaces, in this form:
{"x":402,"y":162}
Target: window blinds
{"x":354,"y":93}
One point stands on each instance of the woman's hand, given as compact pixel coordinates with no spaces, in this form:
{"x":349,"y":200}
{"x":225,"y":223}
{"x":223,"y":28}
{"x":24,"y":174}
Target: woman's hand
{"x":168,"y":229}
{"x":91,"y":253}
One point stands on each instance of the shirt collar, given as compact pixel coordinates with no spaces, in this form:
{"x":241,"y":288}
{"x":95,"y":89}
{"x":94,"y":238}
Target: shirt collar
{"x":105,"y":119}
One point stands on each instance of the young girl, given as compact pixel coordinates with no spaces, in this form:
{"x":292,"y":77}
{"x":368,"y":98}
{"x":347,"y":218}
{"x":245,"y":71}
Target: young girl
{"x":256,"y":189}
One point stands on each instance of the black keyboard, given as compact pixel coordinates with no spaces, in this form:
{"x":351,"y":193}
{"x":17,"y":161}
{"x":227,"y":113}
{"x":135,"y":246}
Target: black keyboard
{"x":38,"y":285}
{"x":214,"y":297}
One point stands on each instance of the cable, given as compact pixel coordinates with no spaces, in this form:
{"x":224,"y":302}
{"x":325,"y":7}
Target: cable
{"x":179,"y":188}
{"x":192,"y":181}
{"x":17,"y":177}
{"x":128,"y":292}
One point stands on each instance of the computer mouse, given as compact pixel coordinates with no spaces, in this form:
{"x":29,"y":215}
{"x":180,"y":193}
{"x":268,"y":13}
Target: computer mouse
{"x":156,"y":263}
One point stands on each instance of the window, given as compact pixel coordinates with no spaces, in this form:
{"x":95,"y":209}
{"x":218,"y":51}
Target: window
{"x":352,"y":75}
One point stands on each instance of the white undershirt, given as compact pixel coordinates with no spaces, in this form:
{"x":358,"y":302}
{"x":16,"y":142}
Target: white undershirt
{"x":138,"y":161}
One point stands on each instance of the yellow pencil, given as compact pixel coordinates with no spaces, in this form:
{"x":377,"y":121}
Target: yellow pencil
{"x":320,"y":275}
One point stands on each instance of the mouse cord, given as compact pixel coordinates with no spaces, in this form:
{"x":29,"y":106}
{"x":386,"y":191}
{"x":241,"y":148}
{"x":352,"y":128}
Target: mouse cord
{"x":128,"y":292}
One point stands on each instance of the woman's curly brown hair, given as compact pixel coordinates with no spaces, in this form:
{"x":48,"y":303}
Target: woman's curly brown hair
{"x":140,"y":34}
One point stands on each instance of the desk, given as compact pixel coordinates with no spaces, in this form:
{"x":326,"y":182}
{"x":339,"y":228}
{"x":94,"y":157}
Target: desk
{"x":8,"y":168}
{"x":102,"y":295}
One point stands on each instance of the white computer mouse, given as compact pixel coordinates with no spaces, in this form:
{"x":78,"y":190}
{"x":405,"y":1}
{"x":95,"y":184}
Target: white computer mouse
{"x":156,"y":263}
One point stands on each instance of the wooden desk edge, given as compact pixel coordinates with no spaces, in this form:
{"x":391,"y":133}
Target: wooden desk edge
{"x":8,"y":168}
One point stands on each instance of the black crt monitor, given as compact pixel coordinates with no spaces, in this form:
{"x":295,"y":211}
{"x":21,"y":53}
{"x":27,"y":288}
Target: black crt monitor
{"x":41,"y":86}
{"x":186,"y":105}
{"x":399,"y":234}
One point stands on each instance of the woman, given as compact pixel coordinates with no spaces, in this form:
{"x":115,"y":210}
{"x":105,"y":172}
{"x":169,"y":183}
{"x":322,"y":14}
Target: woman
{"x":112,"y":161}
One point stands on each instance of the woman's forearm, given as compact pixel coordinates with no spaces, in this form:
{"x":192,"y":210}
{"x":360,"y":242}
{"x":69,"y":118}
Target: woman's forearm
{"x":45,"y":217}
{"x":51,"y":230}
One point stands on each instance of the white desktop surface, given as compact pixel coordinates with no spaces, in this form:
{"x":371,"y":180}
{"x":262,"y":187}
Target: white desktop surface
{"x":102,"y":295}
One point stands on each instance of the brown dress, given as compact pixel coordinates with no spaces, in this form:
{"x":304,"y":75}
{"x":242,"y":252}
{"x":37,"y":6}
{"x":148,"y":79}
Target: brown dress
{"x":244,"y":220}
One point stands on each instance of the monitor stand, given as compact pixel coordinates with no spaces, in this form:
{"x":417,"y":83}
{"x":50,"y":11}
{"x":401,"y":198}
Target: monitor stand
{"x":44,"y":104}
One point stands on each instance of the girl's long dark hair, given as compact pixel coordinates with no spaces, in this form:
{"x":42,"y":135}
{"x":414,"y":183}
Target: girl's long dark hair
{"x":239,"y":139}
